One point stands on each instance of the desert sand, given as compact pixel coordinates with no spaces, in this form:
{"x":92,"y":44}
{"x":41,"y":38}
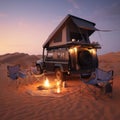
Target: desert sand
{"x":70,"y":104}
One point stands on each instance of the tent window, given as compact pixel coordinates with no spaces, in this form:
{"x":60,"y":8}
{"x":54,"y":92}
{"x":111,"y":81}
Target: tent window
{"x":58,"y":37}
{"x":76,"y":36}
{"x":79,"y":37}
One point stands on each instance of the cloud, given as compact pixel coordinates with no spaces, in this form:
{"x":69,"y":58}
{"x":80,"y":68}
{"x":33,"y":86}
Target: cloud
{"x":70,"y":10}
{"x":74,"y":4}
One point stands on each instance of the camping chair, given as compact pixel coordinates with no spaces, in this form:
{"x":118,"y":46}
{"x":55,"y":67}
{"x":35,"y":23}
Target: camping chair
{"x":35,"y":74}
{"x":14,"y":73}
{"x":100,"y":79}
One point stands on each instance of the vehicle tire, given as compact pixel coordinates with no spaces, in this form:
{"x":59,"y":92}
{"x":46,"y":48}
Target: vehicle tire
{"x":59,"y":74}
{"x":39,"y":69}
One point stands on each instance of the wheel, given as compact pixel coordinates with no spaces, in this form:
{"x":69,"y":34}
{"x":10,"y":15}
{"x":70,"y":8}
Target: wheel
{"x":59,"y":74}
{"x":39,"y":69}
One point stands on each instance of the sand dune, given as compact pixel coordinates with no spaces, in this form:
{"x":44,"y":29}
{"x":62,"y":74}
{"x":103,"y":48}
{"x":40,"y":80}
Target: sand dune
{"x":23,"y":59}
{"x":16,"y":104}
{"x":110,"y":61}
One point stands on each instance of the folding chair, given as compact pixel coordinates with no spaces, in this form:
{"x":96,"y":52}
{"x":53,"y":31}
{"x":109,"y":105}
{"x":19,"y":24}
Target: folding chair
{"x":14,"y":73}
{"x":35,"y":74}
{"x":100,"y":79}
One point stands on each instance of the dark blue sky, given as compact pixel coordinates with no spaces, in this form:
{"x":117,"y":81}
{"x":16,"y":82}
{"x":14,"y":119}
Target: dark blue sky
{"x":26,"y":24}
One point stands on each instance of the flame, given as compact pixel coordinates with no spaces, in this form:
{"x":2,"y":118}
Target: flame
{"x":58,"y":90}
{"x":47,"y":83}
{"x":58,"y":83}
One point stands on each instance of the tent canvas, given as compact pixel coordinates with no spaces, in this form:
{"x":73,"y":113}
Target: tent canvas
{"x":70,"y":24}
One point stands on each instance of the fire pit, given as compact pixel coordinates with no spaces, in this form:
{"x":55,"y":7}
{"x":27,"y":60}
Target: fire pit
{"x":55,"y":87}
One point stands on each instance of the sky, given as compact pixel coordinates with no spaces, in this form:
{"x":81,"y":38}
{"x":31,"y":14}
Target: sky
{"x":26,"y":24}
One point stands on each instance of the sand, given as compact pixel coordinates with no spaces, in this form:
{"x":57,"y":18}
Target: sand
{"x":17,"y":104}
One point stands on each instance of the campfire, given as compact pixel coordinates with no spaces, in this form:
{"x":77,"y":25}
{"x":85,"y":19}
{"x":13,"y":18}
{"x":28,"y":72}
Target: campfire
{"x":58,"y":90}
{"x":55,"y":86}
{"x":46,"y":83}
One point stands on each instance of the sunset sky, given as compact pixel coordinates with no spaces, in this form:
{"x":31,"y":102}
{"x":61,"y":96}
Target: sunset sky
{"x":26,"y":24}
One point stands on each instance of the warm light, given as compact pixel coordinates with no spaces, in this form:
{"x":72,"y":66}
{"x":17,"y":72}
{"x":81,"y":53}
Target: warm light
{"x":58,"y":90}
{"x":93,"y":51}
{"x":58,"y":86}
{"x":47,"y":83}
{"x":71,"y":50}
{"x":58,"y":83}
{"x":64,"y":84}
{"x":75,"y":49}
{"x":73,"y":40}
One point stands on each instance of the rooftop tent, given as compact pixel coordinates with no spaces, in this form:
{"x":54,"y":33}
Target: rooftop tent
{"x":83,"y":26}
{"x":46,"y":44}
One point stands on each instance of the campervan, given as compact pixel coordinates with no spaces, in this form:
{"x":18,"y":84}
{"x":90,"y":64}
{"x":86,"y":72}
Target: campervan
{"x":68,"y":50}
